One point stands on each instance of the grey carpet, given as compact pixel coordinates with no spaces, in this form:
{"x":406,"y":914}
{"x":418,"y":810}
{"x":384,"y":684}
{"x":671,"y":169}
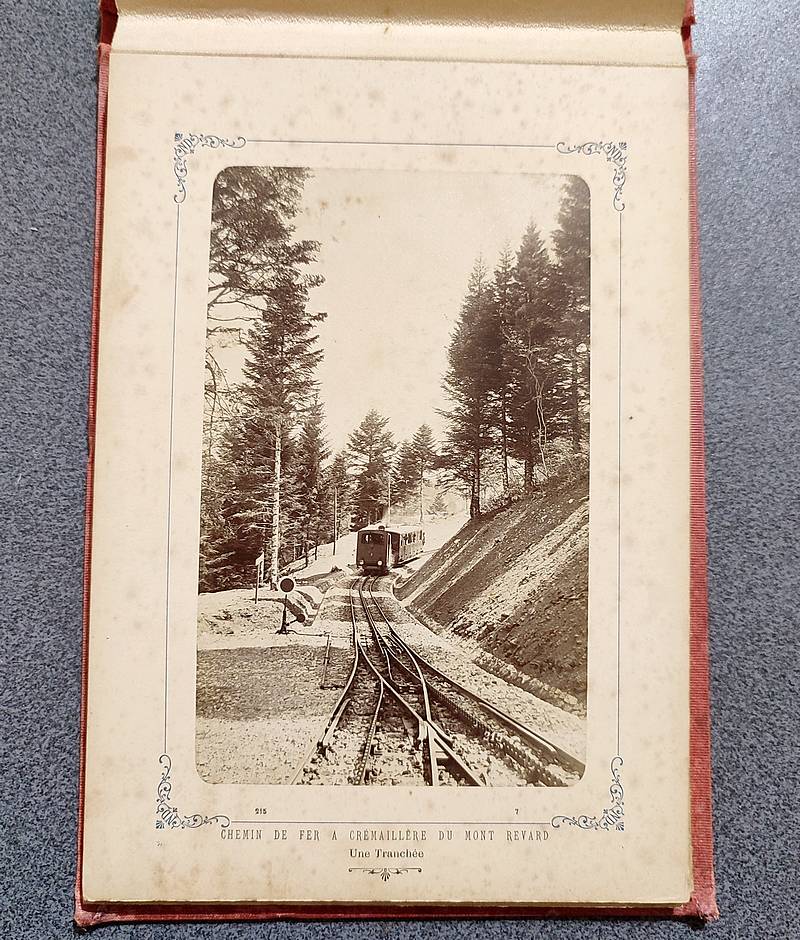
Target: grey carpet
{"x":750,"y":204}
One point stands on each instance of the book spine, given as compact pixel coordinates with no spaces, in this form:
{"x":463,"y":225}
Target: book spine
{"x":108,"y":21}
{"x":702,"y":904}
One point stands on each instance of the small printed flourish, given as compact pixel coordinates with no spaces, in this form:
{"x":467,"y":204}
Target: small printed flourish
{"x":186,"y":145}
{"x":385,"y":873}
{"x":167,"y":817}
{"x":613,"y":817}
{"x":616,"y":154}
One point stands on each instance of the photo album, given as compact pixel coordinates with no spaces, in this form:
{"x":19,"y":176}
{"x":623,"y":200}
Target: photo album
{"x":395,"y":577}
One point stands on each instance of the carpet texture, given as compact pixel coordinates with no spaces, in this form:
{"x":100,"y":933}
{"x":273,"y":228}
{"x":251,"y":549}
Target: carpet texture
{"x":749,"y":203}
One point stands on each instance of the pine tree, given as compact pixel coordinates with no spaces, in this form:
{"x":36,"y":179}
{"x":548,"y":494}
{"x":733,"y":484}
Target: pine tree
{"x":503,"y":356}
{"x":339,"y":489}
{"x":370,"y":448}
{"x":572,"y":243}
{"x":423,"y":452}
{"x":240,"y":526}
{"x":258,"y":266}
{"x":415,"y":459}
{"x":280,"y":366}
{"x":404,"y":483}
{"x":438,"y":507}
{"x":311,"y":486}
{"x":536,"y":411}
{"x":252,"y":212}
{"x":468,"y":385}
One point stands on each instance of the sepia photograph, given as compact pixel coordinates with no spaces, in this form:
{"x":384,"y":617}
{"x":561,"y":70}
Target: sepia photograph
{"x":394,"y":518}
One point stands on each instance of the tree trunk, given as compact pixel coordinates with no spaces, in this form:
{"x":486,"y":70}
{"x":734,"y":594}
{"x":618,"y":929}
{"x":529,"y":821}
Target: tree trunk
{"x":335,"y":517}
{"x":475,"y":498}
{"x":541,"y":424}
{"x":528,"y":459}
{"x":573,"y":391}
{"x":421,"y":486}
{"x":504,"y":439}
{"x":276,"y":509}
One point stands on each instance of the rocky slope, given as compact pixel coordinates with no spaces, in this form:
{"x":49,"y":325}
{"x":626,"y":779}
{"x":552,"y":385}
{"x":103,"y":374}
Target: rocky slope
{"x":512,"y":587}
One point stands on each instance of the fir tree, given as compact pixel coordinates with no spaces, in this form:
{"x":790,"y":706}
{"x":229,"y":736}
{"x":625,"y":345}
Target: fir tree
{"x":423,"y":451}
{"x":504,"y":360}
{"x":572,"y":243}
{"x":311,"y":485}
{"x":280,"y":366}
{"x":468,"y":384}
{"x":257,"y":266}
{"x":339,"y":490}
{"x":252,"y":212}
{"x":416,"y":458}
{"x":438,"y":507}
{"x":533,"y":336}
{"x":405,"y":473}
{"x":370,"y":448}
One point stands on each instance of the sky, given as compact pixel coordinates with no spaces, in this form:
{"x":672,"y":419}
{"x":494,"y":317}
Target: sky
{"x":396,"y":251}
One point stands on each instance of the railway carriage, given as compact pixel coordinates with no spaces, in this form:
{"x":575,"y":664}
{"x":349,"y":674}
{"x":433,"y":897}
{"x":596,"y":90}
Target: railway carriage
{"x":380,"y":548}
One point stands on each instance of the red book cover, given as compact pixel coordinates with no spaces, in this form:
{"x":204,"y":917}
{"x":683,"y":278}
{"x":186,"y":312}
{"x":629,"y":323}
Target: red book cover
{"x":701,"y":904}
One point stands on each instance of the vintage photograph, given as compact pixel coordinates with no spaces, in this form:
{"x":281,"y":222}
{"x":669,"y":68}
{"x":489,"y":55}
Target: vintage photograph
{"x":394,"y":533}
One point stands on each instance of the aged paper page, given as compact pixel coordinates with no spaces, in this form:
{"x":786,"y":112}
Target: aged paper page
{"x":437,"y":159}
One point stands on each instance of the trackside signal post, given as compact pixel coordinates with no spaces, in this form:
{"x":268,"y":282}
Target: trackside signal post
{"x":286,"y":584}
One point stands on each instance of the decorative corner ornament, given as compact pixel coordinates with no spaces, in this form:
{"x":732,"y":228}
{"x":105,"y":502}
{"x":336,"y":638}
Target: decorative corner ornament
{"x":167,"y":817}
{"x":186,"y":145}
{"x":612,"y":818}
{"x":615,"y":153}
{"x":385,"y":873}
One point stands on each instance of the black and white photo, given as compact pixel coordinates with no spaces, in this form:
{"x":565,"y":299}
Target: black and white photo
{"x":393,"y":561}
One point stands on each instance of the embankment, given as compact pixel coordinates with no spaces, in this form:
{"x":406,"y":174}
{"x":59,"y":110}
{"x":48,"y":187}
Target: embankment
{"x":512,"y":588}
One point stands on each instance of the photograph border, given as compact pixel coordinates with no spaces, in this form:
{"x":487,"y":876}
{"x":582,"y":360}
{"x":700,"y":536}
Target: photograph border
{"x":185,"y":146}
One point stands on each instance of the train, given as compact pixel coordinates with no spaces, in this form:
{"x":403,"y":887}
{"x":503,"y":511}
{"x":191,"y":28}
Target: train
{"x":381,"y":548}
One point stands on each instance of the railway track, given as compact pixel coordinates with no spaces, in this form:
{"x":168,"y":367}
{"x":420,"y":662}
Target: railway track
{"x":401,"y":720}
{"x":541,"y":761}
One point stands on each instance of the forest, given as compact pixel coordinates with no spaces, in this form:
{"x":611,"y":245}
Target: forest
{"x":516,"y":387}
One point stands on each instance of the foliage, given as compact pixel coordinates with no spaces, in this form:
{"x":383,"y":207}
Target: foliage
{"x":468,"y":384}
{"x":370,"y":449}
{"x":518,"y":359}
{"x":516,"y":386}
{"x":416,"y":459}
{"x":251,"y":497}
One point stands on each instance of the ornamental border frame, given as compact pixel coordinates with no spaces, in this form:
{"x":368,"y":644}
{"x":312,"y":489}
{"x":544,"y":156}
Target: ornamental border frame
{"x":185,"y":145}
{"x":385,"y":873}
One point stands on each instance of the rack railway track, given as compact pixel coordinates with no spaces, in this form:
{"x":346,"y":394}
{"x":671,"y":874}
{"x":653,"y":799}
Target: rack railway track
{"x":400,"y":716}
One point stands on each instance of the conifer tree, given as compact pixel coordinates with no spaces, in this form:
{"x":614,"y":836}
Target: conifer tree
{"x":504,"y":358}
{"x":572,"y":244}
{"x":405,"y":473}
{"x":424,"y":456}
{"x":339,"y":490}
{"x":370,"y":449}
{"x":280,"y":366}
{"x":415,"y":459}
{"x":438,"y":507}
{"x":258,"y":266}
{"x":252,"y":212}
{"x":311,"y":485}
{"x":468,"y":385}
{"x":533,"y":335}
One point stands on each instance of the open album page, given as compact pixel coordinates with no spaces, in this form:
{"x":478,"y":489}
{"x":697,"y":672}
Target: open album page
{"x":390,"y":516}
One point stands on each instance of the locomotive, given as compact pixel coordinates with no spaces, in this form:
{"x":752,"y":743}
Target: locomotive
{"x":379,"y":548}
